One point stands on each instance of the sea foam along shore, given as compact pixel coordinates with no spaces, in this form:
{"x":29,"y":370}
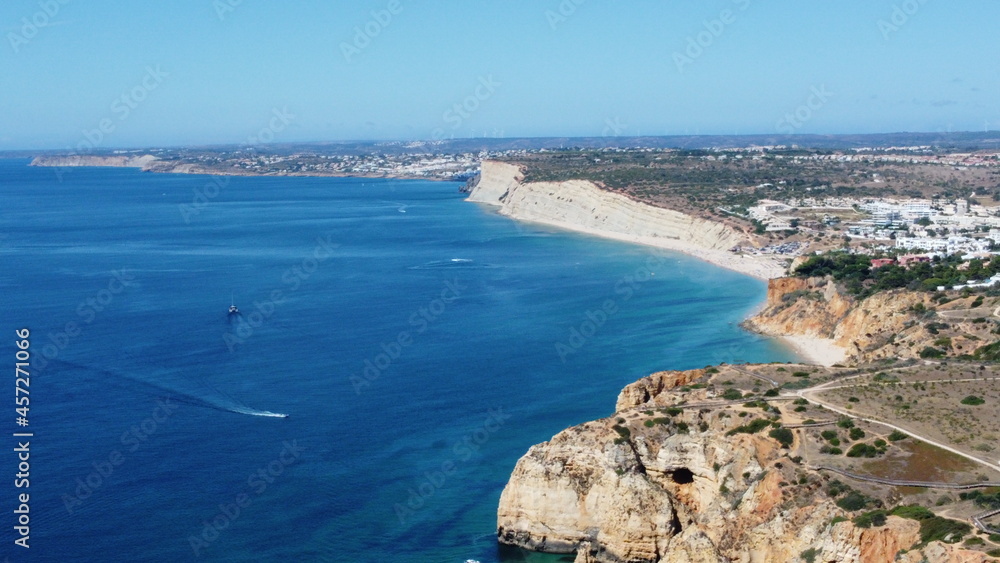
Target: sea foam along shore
{"x":581,"y":206}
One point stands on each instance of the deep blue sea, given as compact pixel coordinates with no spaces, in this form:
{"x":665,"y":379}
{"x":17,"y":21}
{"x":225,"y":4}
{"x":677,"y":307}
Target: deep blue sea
{"x":419,"y":345}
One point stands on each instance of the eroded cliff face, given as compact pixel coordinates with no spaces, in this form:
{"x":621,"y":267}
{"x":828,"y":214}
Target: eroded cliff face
{"x":652,"y":485}
{"x":889,"y":324}
{"x":583,"y":206}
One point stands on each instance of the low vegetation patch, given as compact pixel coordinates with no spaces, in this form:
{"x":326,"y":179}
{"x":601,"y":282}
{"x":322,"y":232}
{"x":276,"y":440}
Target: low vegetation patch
{"x":752,"y":427}
{"x":784,"y":436}
{"x":868,"y":519}
{"x":896,"y":436}
{"x":912,"y":511}
{"x":936,"y":528}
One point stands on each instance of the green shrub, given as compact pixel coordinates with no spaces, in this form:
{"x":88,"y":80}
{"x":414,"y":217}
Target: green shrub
{"x":944,"y":342}
{"x":853,"y":501}
{"x":912,"y":511}
{"x":800,"y":374}
{"x":732,"y":395}
{"x":929,"y":352}
{"x":896,"y":436}
{"x":856,"y":433}
{"x":771,"y":393}
{"x":974,"y":541}
{"x":990,"y":352}
{"x":835,"y":488}
{"x":753,"y":427}
{"x":862,"y":449}
{"x":936,"y":528}
{"x":784,"y":436}
{"x":845,"y":423}
{"x":828,"y":434}
{"x":973,"y":400}
{"x":868,"y":519}
{"x":809,"y":555}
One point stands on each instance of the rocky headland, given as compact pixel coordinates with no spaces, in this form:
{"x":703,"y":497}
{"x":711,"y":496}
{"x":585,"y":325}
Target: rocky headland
{"x":666,"y":479}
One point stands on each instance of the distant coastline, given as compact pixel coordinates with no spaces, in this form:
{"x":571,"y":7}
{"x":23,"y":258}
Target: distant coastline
{"x":148,"y":163}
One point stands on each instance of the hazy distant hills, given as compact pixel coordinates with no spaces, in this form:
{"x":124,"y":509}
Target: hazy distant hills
{"x":952,"y":141}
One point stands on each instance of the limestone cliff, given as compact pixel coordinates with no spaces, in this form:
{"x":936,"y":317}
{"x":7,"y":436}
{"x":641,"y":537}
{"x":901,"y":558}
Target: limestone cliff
{"x":889,"y":324}
{"x":582,"y":206}
{"x":652,"y":485}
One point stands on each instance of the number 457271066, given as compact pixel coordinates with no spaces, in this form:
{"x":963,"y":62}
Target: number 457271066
{"x":22,"y":375}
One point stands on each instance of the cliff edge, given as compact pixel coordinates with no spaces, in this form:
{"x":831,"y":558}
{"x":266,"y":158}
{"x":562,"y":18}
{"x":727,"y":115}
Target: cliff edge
{"x":582,"y":206}
{"x":654,"y":484}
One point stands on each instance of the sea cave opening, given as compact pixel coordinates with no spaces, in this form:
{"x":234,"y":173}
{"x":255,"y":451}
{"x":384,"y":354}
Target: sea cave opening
{"x":682,"y":476}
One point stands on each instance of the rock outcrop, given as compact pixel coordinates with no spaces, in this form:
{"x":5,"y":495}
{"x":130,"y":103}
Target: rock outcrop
{"x":651,"y":485}
{"x":888,"y":324}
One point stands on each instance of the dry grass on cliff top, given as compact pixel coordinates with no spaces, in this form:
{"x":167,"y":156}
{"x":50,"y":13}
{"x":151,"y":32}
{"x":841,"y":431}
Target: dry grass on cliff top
{"x":955,"y":404}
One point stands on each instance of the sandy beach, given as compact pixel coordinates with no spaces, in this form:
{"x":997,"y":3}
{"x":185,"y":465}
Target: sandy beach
{"x":760,"y":267}
{"x":821,"y":351}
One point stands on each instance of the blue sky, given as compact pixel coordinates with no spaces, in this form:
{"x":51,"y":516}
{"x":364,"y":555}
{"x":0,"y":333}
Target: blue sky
{"x":195,"y":72}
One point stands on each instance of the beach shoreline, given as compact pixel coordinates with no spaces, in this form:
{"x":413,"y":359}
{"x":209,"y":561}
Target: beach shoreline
{"x":819,"y":351}
{"x":758,"y":267}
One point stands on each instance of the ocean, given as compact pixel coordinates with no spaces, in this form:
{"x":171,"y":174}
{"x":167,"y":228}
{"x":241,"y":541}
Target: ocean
{"x":417,"y":343}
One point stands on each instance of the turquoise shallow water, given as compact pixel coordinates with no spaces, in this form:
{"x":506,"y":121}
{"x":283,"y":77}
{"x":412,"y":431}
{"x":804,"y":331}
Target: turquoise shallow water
{"x":419,"y":344}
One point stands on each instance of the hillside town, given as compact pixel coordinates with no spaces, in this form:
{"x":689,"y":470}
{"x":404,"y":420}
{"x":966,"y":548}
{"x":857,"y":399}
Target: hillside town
{"x":901,"y":231}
